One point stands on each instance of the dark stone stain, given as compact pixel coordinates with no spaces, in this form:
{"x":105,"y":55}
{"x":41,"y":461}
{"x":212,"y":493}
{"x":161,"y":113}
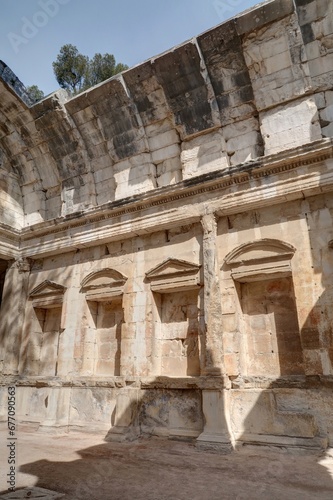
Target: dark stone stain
{"x":179,"y":74}
{"x":307,"y":33}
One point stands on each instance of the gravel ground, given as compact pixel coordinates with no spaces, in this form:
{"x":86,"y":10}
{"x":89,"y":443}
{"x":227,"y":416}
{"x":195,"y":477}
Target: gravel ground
{"x":83,"y":466}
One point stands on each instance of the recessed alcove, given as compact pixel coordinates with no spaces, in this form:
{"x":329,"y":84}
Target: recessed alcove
{"x":43,"y":347}
{"x":104,"y":296}
{"x":270,"y":342}
{"x":175,"y":289}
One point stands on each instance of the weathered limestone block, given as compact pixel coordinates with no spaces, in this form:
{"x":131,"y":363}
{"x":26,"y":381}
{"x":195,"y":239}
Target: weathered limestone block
{"x":45,"y":164}
{"x":91,"y":408}
{"x":44,"y":409}
{"x":315,"y":20}
{"x":15,"y":288}
{"x":11,"y":212}
{"x":148,"y":94}
{"x":266,"y":423}
{"x":170,"y":413}
{"x":134,"y":180}
{"x":229,"y":76}
{"x":34,"y":203}
{"x":216,"y":434}
{"x":203,"y":154}
{"x":185,"y":88}
{"x":277,"y":67}
{"x":91,"y":134}
{"x":243,"y":141}
{"x":77,"y":193}
{"x":163,"y":140}
{"x":165,"y":153}
{"x":169,"y":172}
{"x":264,"y":14}
{"x":290,"y":125}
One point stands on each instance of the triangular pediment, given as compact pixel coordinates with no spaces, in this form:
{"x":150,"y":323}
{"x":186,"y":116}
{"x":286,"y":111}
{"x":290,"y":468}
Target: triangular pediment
{"x":171,"y":267}
{"x":47,"y":288}
{"x":262,"y":250}
{"x":106,"y":278}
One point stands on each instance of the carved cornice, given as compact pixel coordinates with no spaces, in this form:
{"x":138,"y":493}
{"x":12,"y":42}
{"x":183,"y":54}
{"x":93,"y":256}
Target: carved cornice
{"x":213,"y":182}
{"x":310,"y":382}
{"x":312,"y":153}
{"x":9,"y":234}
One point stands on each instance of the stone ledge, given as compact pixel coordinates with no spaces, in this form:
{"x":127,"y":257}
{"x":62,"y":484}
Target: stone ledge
{"x":159,"y":382}
{"x":257,"y":16}
{"x":316,"y":443}
{"x":186,"y":383}
{"x":287,"y":382}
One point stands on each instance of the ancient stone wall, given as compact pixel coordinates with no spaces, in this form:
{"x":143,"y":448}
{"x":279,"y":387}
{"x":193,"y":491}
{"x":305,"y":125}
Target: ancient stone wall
{"x":166,"y":241}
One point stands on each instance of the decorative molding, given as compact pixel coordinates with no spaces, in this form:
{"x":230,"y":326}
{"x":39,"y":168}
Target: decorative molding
{"x":312,"y":153}
{"x":260,"y":260}
{"x":174,"y":275}
{"x":266,"y":248}
{"x":103,"y":285}
{"x":47,"y":295}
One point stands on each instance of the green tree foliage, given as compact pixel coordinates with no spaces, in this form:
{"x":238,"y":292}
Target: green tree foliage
{"x":70,"y":68}
{"x":76,"y":72}
{"x":101,"y":67}
{"x":35,"y":93}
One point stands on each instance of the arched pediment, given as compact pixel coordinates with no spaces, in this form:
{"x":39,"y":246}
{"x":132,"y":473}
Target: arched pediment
{"x":47,"y":294}
{"x":173,"y":274}
{"x":103,"y":285}
{"x":260,"y":250}
{"x":261,"y":259}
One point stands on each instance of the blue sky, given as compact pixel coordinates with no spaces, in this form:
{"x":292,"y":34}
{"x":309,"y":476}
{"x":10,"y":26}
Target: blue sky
{"x":33,"y":31}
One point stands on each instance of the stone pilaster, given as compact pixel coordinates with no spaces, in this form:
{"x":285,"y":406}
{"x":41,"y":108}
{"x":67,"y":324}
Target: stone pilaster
{"x":213,"y":357}
{"x":216,"y":433}
{"x":14,"y":298}
{"x":125,"y":427}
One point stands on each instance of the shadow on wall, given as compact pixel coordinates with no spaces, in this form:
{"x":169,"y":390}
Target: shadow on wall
{"x":164,"y":469}
{"x":159,"y":468}
{"x":271,"y":331}
{"x":3,"y":268}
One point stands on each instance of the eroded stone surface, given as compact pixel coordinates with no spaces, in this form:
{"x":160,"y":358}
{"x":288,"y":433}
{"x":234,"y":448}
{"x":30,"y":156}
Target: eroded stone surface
{"x":166,"y":242}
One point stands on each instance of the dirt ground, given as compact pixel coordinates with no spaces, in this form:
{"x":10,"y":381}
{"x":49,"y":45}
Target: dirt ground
{"x":84,"y":466}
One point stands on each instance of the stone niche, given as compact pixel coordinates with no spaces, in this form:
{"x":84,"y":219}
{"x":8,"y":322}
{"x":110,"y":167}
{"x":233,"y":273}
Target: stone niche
{"x":175,"y":288}
{"x":270,"y":342}
{"x":43,"y":347}
{"x":104,"y":298}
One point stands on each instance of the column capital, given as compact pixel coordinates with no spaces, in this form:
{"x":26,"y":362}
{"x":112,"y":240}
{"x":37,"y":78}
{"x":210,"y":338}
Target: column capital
{"x":23,"y":265}
{"x":209,"y":223}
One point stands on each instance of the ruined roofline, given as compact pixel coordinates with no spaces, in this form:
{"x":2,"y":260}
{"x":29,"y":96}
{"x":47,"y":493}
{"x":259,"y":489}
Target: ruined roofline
{"x":267,"y":12}
{"x":14,"y":84}
{"x":253,"y":18}
{"x":213,"y":105}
